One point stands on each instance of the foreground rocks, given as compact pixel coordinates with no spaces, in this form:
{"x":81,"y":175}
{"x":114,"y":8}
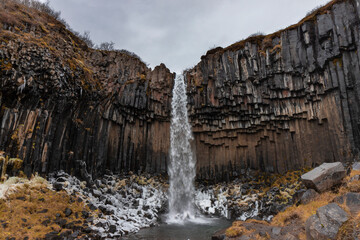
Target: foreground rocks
{"x":125,"y":203}
{"x":324,"y":177}
{"x":326,"y":223}
{"x":336,"y":216}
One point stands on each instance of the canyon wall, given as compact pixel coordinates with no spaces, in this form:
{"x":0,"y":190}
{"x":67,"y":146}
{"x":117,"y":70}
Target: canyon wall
{"x":273,"y":103}
{"x":281,"y":101}
{"x":62,"y":102}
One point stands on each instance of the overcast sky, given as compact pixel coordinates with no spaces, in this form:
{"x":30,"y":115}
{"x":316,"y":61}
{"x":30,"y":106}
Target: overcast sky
{"x":178,"y":32}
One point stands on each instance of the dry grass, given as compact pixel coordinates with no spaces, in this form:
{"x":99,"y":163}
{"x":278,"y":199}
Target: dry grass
{"x":237,"y":229}
{"x":303,"y":212}
{"x":21,"y":215}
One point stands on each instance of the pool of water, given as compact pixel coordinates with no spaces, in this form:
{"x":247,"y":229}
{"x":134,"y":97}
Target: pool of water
{"x":197,"y":229}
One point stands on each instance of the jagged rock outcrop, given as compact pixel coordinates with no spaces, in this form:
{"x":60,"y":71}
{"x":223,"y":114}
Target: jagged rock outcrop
{"x":282,"y":101}
{"x":62,"y":102}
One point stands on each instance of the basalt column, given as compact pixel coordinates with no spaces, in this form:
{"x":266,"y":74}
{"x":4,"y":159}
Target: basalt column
{"x":282,"y":101}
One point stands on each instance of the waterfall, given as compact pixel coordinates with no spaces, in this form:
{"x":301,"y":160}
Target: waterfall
{"x":182,"y":163}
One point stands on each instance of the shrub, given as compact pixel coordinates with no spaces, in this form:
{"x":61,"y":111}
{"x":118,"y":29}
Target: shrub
{"x":108,"y":46}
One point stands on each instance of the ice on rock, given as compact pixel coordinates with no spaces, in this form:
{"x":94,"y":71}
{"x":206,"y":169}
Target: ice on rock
{"x":125,"y":204}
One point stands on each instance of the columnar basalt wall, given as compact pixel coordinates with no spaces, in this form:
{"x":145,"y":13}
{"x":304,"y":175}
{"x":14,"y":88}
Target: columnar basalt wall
{"x":62,"y":102}
{"x":282,"y":101}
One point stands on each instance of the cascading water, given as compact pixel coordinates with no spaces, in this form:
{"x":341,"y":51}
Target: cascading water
{"x":182,"y":163}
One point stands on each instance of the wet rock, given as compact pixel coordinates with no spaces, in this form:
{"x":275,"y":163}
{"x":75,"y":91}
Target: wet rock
{"x":219,"y":235}
{"x":324,"y":177}
{"x":326,"y":223}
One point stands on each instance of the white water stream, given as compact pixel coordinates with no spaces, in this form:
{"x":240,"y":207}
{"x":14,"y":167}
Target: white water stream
{"x":182,"y":162}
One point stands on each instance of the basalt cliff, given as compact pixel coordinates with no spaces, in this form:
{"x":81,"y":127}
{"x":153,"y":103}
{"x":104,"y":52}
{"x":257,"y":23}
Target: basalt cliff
{"x":62,"y":101}
{"x":272,"y":103}
{"x":281,"y":101}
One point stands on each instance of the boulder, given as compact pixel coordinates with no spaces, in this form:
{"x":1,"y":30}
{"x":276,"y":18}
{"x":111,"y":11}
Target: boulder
{"x":326,"y":223}
{"x":351,"y":200}
{"x":324,"y":177}
{"x":308,"y":196}
{"x":356,"y":166}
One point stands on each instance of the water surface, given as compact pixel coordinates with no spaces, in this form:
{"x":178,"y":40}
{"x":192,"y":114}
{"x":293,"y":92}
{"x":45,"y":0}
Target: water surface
{"x":197,"y":229}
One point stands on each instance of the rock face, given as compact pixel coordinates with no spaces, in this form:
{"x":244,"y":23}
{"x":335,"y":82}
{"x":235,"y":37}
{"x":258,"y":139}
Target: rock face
{"x":282,"y":101}
{"x":326,"y":222}
{"x":61,"y":101}
{"x":274,"y":103}
{"x":324,"y":177}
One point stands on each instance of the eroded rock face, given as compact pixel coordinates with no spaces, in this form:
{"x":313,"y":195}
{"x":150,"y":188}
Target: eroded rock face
{"x":62,"y":102}
{"x":282,"y":101}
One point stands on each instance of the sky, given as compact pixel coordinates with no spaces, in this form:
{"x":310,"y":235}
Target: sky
{"x":178,"y":32}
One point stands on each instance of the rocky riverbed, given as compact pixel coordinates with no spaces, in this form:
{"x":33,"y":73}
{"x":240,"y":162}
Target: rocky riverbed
{"x":126,"y":203}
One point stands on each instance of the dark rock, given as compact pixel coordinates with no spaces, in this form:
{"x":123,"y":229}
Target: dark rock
{"x":297,"y":196}
{"x":92,"y":206}
{"x":67,"y":212}
{"x":326,"y":223}
{"x":46,"y":222}
{"x":106,"y":210}
{"x":85,"y":214}
{"x":61,"y":179}
{"x":87,"y":230}
{"x":351,"y":200}
{"x":308,"y":196}
{"x":43,"y":211}
{"x":75,"y":234}
{"x":21,"y":198}
{"x":112,"y":228}
{"x":61,"y":222}
{"x":52,"y":236}
{"x":324,"y":177}
{"x":58,"y":186}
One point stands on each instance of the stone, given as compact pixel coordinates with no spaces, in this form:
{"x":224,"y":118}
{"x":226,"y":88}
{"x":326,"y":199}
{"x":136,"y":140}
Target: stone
{"x":356,"y":166}
{"x":308,"y":196}
{"x":276,"y":231}
{"x":96,"y":193}
{"x":58,"y":186}
{"x":355,"y":178}
{"x":326,"y":223}
{"x":324,"y":177}
{"x":219,"y":235}
{"x":351,"y":200}
{"x":112,"y":228}
{"x":67,"y":212}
